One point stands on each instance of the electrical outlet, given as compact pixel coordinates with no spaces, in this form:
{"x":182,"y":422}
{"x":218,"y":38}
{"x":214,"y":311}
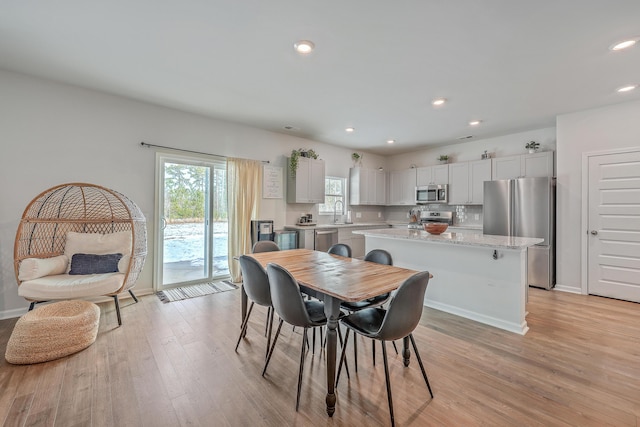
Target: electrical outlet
{"x":379,"y":214}
{"x":358,"y":215}
{"x":477,"y":217}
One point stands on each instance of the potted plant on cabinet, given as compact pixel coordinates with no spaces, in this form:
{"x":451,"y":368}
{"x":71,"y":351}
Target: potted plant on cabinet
{"x":296,"y":154}
{"x":532,"y":146}
{"x":357,"y":159}
{"x":443,"y":158}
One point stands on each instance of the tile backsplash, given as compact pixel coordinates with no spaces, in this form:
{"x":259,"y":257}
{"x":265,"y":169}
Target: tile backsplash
{"x":468,"y":215}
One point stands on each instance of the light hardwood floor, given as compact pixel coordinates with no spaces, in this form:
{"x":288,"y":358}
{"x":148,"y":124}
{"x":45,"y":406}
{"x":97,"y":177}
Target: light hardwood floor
{"x":174,"y":364}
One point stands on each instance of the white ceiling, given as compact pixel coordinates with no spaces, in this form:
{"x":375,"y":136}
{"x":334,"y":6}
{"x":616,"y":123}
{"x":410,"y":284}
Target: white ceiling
{"x":377,"y":65}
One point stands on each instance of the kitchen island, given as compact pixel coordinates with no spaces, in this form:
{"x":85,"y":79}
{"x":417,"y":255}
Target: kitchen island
{"x":477,"y":276}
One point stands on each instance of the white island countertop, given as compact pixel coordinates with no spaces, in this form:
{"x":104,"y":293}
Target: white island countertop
{"x":467,"y":239}
{"x":337,"y":225}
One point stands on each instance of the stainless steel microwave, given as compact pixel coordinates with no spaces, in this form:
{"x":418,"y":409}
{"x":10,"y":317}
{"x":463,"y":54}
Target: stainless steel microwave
{"x":432,"y":194}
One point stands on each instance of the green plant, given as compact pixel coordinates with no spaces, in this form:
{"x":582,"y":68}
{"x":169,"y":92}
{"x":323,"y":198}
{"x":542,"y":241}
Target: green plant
{"x":443,"y":158}
{"x":356,"y":156}
{"x":532,"y":145}
{"x":296,"y":154}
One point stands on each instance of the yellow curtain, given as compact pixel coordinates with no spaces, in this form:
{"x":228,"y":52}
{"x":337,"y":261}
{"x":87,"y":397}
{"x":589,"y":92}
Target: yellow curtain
{"x":244,"y":186}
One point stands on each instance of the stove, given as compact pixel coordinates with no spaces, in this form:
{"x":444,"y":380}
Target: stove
{"x":432,"y":216}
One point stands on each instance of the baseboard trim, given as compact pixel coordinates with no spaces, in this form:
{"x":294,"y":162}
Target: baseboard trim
{"x":17,"y":312}
{"x":569,"y":289}
{"x":487,"y":320}
{"x":10,"y":314}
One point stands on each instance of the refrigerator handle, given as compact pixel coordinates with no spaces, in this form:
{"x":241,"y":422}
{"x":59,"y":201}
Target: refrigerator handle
{"x":512,"y":206}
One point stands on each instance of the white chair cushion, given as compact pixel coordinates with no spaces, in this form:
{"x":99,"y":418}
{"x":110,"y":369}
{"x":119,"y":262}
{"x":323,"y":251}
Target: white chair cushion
{"x":100,"y":244}
{"x":64,"y":286}
{"x":33,"y":268}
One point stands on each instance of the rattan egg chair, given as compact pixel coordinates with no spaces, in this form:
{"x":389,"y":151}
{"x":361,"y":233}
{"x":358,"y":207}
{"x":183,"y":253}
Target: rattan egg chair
{"x":78,"y":208}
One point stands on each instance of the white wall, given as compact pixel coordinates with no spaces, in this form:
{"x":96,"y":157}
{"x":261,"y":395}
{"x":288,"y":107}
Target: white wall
{"x":54,"y":133}
{"x":607,"y":128}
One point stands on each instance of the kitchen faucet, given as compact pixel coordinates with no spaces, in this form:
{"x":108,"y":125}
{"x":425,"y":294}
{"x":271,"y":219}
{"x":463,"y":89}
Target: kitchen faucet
{"x":335,"y":210}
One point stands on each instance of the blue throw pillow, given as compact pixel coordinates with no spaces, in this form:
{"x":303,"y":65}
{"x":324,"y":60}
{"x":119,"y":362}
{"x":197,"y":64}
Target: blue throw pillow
{"x":94,"y":264}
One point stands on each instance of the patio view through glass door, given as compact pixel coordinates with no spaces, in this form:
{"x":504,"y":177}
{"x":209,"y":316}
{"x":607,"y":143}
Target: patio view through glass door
{"x":192,"y":235}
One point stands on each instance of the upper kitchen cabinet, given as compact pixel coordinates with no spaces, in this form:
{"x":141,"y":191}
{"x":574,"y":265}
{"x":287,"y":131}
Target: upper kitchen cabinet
{"x":432,"y":175}
{"x":308,"y":184}
{"x":367,"y":186}
{"x":523,"y":166}
{"x":402,"y":187}
{"x":537,"y":164}
{"x":506,"y":167}
{"x":466,"y":182}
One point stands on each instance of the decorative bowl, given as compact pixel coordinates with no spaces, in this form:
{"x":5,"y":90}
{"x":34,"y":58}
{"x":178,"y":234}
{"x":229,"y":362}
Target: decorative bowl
{"x":435,"y":227}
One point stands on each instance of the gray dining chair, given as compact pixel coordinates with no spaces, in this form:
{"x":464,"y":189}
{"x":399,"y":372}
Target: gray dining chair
{"x":256,"y":284}
{"x":292,"y":308}
{"x":269,"y":246}
{"x":341,"y":249}
{"x":379,"y":256}
{"x":264,"y":246}
{"x":398,"y":321}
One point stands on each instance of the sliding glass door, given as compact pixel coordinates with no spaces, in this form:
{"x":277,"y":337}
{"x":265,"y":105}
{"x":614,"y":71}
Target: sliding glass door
{"x":191,"y":237}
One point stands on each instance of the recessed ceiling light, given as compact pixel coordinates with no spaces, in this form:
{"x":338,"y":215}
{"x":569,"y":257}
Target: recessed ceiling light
{"x":349,"y":130}
{"x":627,"y":88}
{"x":475,"y":122}
{"x":304,"y":47}
{"x":623,"y":44}
{"x":438,"y":101}
{"x":391,"y":141}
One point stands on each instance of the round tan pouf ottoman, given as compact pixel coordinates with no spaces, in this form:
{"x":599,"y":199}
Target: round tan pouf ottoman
{"x":53,"y":331}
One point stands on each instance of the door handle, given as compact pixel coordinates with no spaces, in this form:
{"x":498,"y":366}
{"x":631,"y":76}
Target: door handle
{"x":594,"y":232}
{"x":163,"y":224}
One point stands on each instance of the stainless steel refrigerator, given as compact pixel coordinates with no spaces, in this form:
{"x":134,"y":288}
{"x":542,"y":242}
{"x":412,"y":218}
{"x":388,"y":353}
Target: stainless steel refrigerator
{"x":525,"y":207}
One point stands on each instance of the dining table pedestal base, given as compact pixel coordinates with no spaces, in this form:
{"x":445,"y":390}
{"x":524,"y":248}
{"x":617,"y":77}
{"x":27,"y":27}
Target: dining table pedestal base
{"x":332,"y":311}
{"x":406,"y":353}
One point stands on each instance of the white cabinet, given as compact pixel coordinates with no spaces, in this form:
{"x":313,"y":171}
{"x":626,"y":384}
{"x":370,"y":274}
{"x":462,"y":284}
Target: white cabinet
{"x":523,"y":166}
{"x":459,"y":183}
{"x":537,"y":164}
{"x":466,"y":182}
{"x":355,"y":241}
{"x":357,"y":246}
{"x":402,"y":187}
{"x":506,"y":167}
{"x":345,"y":236}
{"x":367,"y":186}
{"x":306,"y":239}
{"x":308,"y":184}
{"x":432,"y":175}
{"x":381,"y":188}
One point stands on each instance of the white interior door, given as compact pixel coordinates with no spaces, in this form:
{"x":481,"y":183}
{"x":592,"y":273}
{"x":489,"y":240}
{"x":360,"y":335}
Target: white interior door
{"x":614,"y":226}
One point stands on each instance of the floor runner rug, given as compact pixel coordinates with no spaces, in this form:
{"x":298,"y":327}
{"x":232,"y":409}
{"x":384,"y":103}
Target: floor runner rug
{"x":193,"y":291}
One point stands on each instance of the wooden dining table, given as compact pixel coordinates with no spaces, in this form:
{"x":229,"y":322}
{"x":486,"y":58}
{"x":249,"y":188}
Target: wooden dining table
{"x":337,"y":279}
